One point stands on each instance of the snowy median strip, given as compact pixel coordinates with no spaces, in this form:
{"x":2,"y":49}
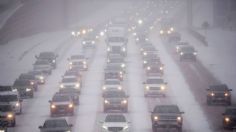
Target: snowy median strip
{"x":194,"y":116}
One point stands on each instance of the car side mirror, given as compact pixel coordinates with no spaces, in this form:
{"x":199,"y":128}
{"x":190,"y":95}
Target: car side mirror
{"x":50,"y":101}
{"x":40,"y":127}
{"x":36,"y":57}
{"x":70,"y":125}
{"x":230,"y":90}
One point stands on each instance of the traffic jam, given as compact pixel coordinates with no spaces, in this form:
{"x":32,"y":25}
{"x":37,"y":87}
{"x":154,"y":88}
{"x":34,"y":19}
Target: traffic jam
{"x":133,"y":72}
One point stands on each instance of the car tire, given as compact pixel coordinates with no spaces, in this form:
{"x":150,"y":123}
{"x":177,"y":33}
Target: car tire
{"x":154,"y":129}
{"x":180,"y":129}
{"x":13,"y":124}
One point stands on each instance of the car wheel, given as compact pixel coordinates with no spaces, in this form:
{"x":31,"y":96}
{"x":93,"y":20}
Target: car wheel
{"x":154,"y":129}
{"x":13,"y":123}
{"x":180,"y":129}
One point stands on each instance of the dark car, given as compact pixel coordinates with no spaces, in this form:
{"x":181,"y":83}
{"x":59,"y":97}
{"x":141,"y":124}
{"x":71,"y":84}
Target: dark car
{"x":229,"y":118}
{"x":115,"y":100}
{"x":50,"y":56}
{"x":61,"y":104}
{"x":187,"y":53}
{"x":72,"y":92}
{"x":56,"y":125}
{"x":30,"y":77}
{"x":218,"y":94}
{"x":24,"y":87}
{"x":166,"y":116}
{"x":7,"y":115}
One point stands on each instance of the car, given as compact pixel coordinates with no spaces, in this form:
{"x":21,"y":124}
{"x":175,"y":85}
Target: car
{"x":115,"y":100}
{"x":12,"y":98}
{"x":154,"y":86}
{"x":119,"y":48}
{"x":113,"y":74}
{"x":112,"y":84}
{"x":61,"y":104}
{"x":166,"y":116}
{"x":78,"y":61}
{"x":141,"y":38}
{"x":179,"y":45}
{"x":116,"y":59}
{"x":56,"y":125}
{"x":39,"y":75}
{"x":115,"y":123}
{"x":151,"y":62}
{"x":218,"y":94}
{"x":72,"y":92}
{"x":187,"y":53}
{"x":31,"y":78}
{"x":116,"y":67}
{"x":71,"y":82}
{"x":155,"y":69}
{"x":89,"y":42}
{"x":4,"y":88}
{"x":51,"y":57}
{"x":24,"y":88}
{"x":229,"y":117}
{"x":43,"y":66}
{"x":153,"y":56}
{"x":7,"y":115}
{"x":149,"y":50}
{"x":72,"y":73}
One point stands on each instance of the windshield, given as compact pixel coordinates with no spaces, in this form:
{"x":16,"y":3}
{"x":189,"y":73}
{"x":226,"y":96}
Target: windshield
{"x":60,"y":98}
{"x":77,"y":57}
{"x":116,"y":39}
{"x":69,"y":80}
{"x":118,"y":94}
{"x":21,"y":83}
{"x":166,"y":109}
{"x":155,"y":81}
{"x":46,"y":55}
{"x":115,"y":118}
{"x":55,"y":123}
{"x":112,"y":82}
{"x":8,"y":98}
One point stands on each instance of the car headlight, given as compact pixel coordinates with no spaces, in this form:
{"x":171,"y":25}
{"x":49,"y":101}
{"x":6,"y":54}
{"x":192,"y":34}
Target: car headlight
{"x":181,"y":53}
{"x":227,"y":119}
{"x":161,"y":32}
{"x":73,"y":33}
{"x":106,"y":101}
{"x":77,"y":85}
{"x":119,"y":88}
{"x":105,"y":127}
{"x":146,"y":39}
{"x":83,"y":42}
{"x":125,"y":127}
{"x":104,"y":87}
{"x":137,"y":39}
{"x":108,"y":49}
{"x":10,"y":116}
{"x":212,"y":94}
{"x":70,"y":105}
{"x":155,"y":118}
{"x":84,"y":62}
{"x":147,"y":87}
{"x":121,"y":72}
{"x":134,"y":34}
{"x":2,"y":130}
{"x":32,"y":83}
{"x":179,"y":118}
{"x":41,"y":78}
{"x":124,"y":102}
{"x":123,"y":65}
{"x":172,"y":29}
{"x":14,"y":90}
{"x":148,"y":68}
{"x":53,"y":61}
{"x":61,"y":86}
{"x":53,"y":106}
{"x":163,"y":87}
{"x":161,"y":68}
{"x":71,"y":63}
{"x":93,"y":42}
{"x":17,"y":104}
{"x":169,"y":32}
{"x":123,"y":49}
{"x":145,"y":53}
{"x":195,"y":53}
{"x":145,"y":62}
{"x":226,"y":94}
{"x":28,"y":89}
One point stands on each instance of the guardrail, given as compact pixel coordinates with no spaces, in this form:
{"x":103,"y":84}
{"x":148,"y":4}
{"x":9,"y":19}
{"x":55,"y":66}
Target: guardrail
{"x":198,"y":36}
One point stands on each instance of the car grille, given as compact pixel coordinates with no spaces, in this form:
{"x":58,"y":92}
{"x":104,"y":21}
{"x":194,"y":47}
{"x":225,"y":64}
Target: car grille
{"x":154,"y":88}
{"x":61,"y":106}
{"x":168,"y":118}
{"x":115,"y":129}
{"x":115,"y":101}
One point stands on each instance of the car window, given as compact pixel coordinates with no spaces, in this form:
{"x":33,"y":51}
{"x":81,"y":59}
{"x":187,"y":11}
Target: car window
{"x":166,"y":109}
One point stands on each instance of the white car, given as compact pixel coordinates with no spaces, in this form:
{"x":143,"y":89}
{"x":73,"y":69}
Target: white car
{"x":78,"y":61}
{"x":112,"y":84}
{"x":72,"y":82}
{"x":13,"y":98}
{"x":154,"y":86}
{"x":115,"y":123}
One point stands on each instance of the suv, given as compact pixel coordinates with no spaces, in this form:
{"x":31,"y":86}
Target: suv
{"x":7,"y":115}
{"x":112,"y":84}
{"x":24,"y":87}
{"x":39,"y":75}
{"x":78,"y":61}
{"x":72,"y":92}
{"x":31,"y":78}
{"x":43,"y":66}
{"x":154,"y":86}
{"x":61,"y":104}
{"x":187,"y":52}
{"x":229,"y":117}
{"x":166,"y":116}
{"x":71,"y":82}
{"x":12,"y":98}
{"x":49,"y":56}
{"x":219,"y":94}
{"x":115,"y":100}
{"x":55,"y":125}
{"x":115,"y":123}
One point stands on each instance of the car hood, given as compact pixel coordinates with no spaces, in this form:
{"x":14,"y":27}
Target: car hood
{"x":61,"y":103}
